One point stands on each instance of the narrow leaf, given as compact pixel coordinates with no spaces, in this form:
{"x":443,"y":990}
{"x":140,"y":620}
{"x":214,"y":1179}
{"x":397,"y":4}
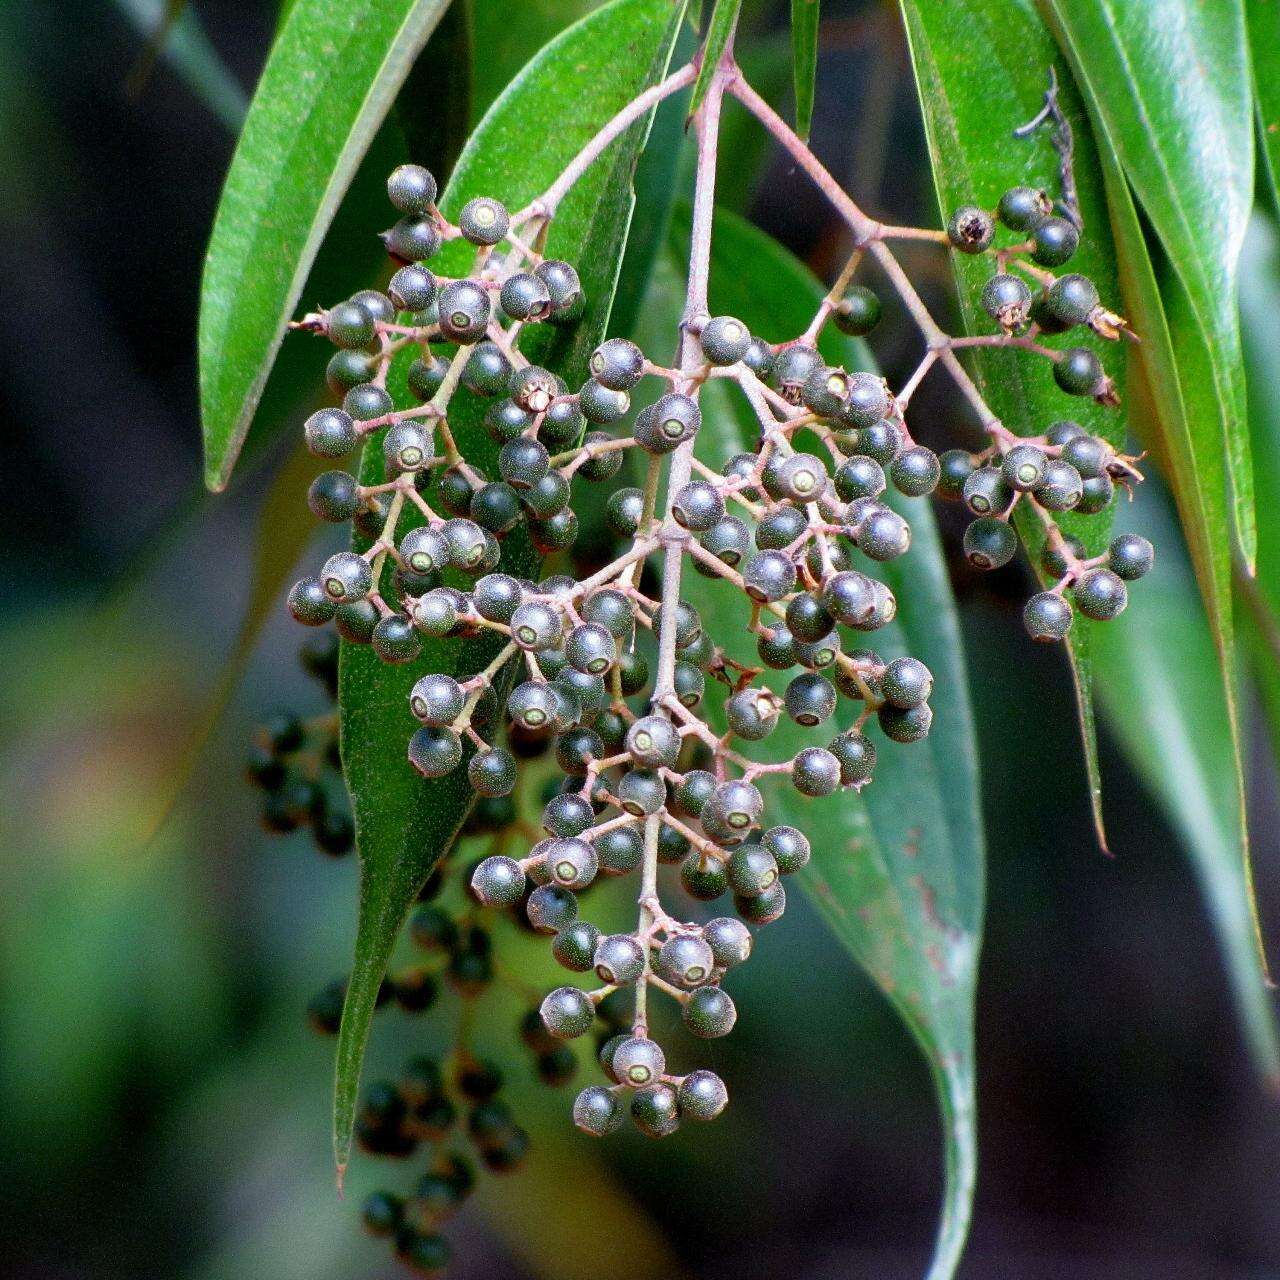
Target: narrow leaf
{"x":898,"y":869}
{"x":1163,"y":694}
{"x":969,"y":121}
{"x":404,"y":825}
{"x":331,"y":78}
{"x":1168,"y":85}
{"x":804,"y":53}
{"x":724,"y":20}
{"x":1263,"y":17}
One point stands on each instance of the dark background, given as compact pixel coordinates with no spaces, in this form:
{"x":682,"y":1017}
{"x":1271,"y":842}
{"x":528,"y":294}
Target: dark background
{"x":163,"y":1104}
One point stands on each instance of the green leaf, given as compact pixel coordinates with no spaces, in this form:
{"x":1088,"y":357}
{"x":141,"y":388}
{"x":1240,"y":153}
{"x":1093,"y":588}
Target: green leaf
{"x":1168,"y":86}
{"x":724,"y":20}
{"x":981,"y":69}
{"x":404,"y":824}
{"x":331,"y":78}
{"x":897,"y":870}
{"x":1260,"y":596}
{"x":1263,"y":17}
{"x":1162,"y":691}
{"x":804,"y":53}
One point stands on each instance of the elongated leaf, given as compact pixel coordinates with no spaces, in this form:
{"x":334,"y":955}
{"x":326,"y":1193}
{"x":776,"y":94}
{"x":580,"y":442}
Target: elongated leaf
{"x":804,"y":53}
{"x":724,"y":19}
{"x":1168,"y":87}
{"x":1173,"y":387}
{"x":897,"y":870}
{"x":1263,"y":17}
{"x":331,"y":78}
{"x":1260,"y":312}
{"x":1161,"y":689}
{"x":404,"y":824}
{"x":981,"y":67}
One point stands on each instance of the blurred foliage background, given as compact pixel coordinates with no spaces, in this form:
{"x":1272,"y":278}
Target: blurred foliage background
{"x":164,"y":1105}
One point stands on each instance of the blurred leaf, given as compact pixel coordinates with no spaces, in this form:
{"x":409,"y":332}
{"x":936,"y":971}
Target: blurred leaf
{"x":174,"y":33}
{"x":1263,"y":17}
{"x":1260,"y":312}
{"x":331,"y":78}
{"x":1167,"y":83}
{"x":1172,"y":389}
{"x":436,"y":123}
{"x":1162,"y":690}
{"x":898,"y":869}
{"x":804,"y":52}
{"x":981,"y":68}
{"x":724,"y":18}
{"x":403,"y":823}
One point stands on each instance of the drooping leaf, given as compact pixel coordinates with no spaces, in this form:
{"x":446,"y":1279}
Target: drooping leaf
{"x":1260,"y":596}
{"x":569,"y":90}
{"x":724,"y":19}
{"x":981,"y":69}
{"x":1263,"y":17}
{"x":804,"y":54}
{"x":329,"y":82}
{"x":1168,"y":87}
{"x":1162,"y":692}
{"x":897,"y":870}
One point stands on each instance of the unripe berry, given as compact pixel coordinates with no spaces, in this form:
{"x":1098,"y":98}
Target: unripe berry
{"x":638,"y":1061}
{"x":411,"y":188}
{"x":970,"y":229}
{"x":484,"y":221}
{"x":856,"y":755}
{"x":815,"y":772}
{"x":567,"y":1013}
{"x":909,"y":725}
{"x":498,"y":881}
{"x":597,"y":1111}
{"x":1101,"y":595}
{"x":686,"y":960}
{"x":1130,"y":556}
{"x":709,"y":1013}
{"x":656,"y":1111}
{"x":990,"y":543}
{"x":1047,"y":616}
{"x":551,"y":908}
{"x":330,"y":433}
{"x":702,"y":1095}
{"x":725,"y":340}
{"x":435,"y":752}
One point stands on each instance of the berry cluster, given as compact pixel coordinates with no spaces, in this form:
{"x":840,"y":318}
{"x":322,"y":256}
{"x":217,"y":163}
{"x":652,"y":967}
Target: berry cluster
{"x":294,"y":762}
{"x":653,"y":725}
{"x":1065,"y":469}
{"x":451,"y":1105}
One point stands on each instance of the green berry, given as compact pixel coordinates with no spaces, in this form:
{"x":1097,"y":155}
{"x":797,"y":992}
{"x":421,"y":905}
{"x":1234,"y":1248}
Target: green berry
{"x":1078,"y":372}
{"x":709,"y":1013}
{"x":1055,"y":241}
{"x":1071,"y":300}
{"x":492,"y":773}
{"x":1096,"y":495}
{"x":751,"y":869}
{"x":989,"y":543}
{"x":465,"y":311}
{"x":906,"y":682}
{"x":1047,"y":617}
{"x":346,"y":577}
{"x":411,"y":188}
{"x":330,"y":433}
{"x":564,"y":286}
{"x":915,"y":472}
{"x":406,"y":447}
{"x":905,"y":725}
{"x":435,"y":752}
{"x":1130,"y":556}
{"x":986,"y":492}
{"x":600,"y":404}
{"x":498,"y":881}
{"x":815,"y":771}
{"x":858,"y":312}
{"x":656,"y":1110}
{"x":567,"y":1013}
{"x":412,"y":239}
{"x":412,"y":288}
{"x":367,"y":402}
{"x":1060,"y":487}
{"x":525,"y":296}
{"x":1023,"y":467}
{"x":597,"y":1111}
{"x":484,"y":221}
{"x":725,"y":340}
{"x":790,"y":848}
{"x":574,"y":946}
{"x":349,"y":325}
{"x":1024,"y":208}
{"x":810,"y":699}
{"x":334,"y":496}
{"x":702,"y":1095}
{"x":1101,"y":595}
{"x":956,"y":467}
